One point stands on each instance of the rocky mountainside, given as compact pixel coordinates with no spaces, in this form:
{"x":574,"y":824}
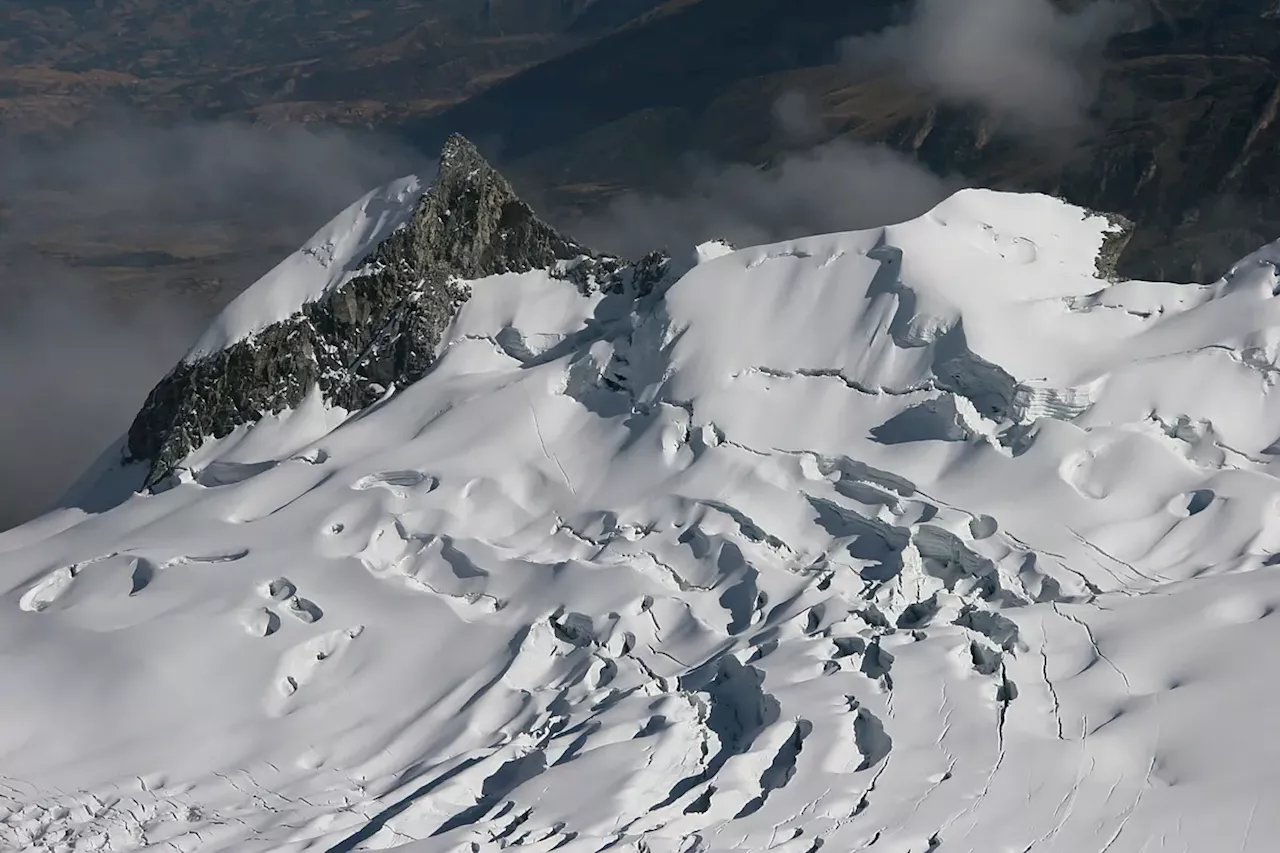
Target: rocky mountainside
{"x":380,"y":324}
{"x":1184,"y":139}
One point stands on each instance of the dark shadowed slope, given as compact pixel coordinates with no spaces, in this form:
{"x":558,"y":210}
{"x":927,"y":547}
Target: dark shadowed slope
{"x":1183,"y":140}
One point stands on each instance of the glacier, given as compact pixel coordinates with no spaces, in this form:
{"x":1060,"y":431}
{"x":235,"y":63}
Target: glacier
{"x":927,"y":537}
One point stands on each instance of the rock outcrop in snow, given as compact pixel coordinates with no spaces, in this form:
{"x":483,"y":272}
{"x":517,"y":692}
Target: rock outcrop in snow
{"x":370,"y":312}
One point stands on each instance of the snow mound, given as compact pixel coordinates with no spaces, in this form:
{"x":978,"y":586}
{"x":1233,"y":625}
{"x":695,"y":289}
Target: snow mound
{"x":922,"y":537}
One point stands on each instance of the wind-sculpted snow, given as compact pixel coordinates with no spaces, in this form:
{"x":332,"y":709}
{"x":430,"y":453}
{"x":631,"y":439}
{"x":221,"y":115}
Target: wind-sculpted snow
{"x":920,"y":538}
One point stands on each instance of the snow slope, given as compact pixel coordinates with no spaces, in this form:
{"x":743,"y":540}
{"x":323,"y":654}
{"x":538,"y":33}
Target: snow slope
{"x":917,"y":538}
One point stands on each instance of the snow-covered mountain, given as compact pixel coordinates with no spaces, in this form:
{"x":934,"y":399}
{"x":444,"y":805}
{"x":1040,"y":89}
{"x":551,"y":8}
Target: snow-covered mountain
{"x":459,"y":537}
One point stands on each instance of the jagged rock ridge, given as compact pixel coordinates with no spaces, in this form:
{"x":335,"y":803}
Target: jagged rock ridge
{"x":377,"y":331}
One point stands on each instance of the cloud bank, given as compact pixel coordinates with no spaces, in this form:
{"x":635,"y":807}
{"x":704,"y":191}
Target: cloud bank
{"x":1029,"y":62}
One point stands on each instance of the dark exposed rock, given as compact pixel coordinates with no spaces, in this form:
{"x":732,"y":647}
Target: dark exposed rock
{"x":1113,"y":245}
{"x":380,"y":330}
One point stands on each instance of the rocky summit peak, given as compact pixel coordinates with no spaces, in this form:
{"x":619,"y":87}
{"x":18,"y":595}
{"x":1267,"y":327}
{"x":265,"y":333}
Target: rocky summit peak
{"x":460,"y":153}
{"x":372,"y":325}
{"x":477,"y":223}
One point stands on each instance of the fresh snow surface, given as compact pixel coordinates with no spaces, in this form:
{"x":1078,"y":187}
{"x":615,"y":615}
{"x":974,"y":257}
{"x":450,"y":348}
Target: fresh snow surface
{"x":329,"y":259}
{"x":786,"y":590}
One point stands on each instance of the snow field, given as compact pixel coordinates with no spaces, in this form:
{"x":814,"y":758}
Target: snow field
{"x":917,"y":538}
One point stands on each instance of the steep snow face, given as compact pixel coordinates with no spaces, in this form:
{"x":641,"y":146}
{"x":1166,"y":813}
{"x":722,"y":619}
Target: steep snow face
{"x":329,"y":259}
{"x":924,"y":537}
